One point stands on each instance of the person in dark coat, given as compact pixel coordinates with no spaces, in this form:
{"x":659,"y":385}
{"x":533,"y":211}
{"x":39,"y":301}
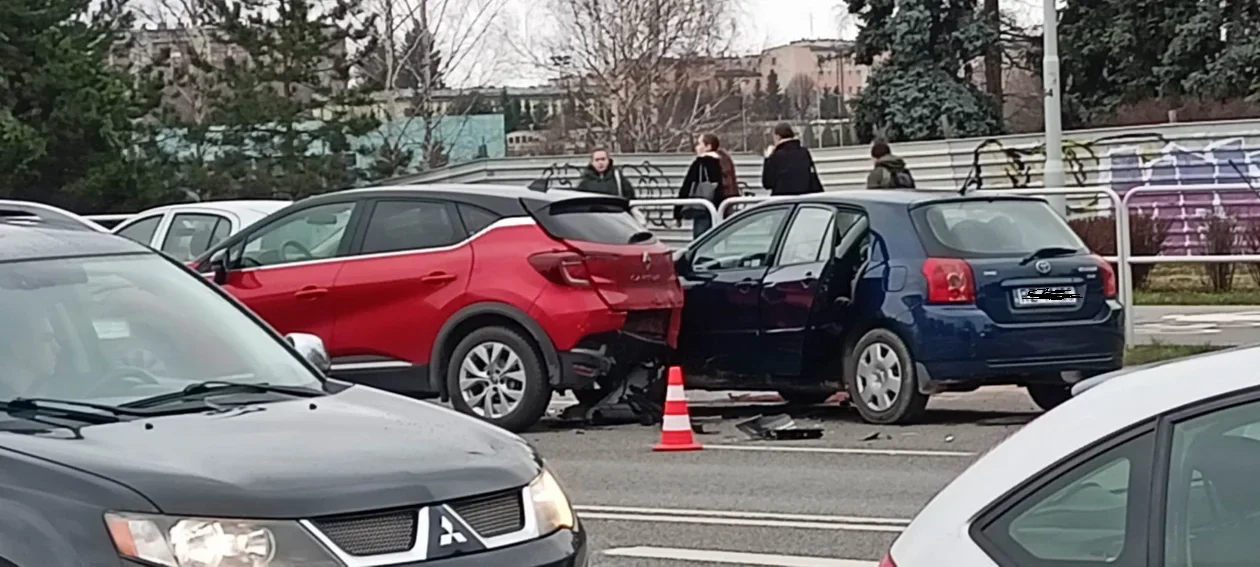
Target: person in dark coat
{"x":889,"y":171}
{"x":601,"y":176}
{"x":789,"y":168}
{"x":711,"y":165}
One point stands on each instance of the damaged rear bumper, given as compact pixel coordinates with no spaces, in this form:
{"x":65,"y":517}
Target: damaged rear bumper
{"x":601,"y":359}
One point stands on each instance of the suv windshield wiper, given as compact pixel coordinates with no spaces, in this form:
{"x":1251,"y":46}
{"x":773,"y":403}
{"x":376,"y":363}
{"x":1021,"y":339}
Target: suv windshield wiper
{"x":217,"y":386}
{"x":1048,"y":252}
{"x":47,"y":406}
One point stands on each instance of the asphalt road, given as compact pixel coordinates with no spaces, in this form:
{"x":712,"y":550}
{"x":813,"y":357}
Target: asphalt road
{"x":838,"y":501}
{"x":1198,"y":324}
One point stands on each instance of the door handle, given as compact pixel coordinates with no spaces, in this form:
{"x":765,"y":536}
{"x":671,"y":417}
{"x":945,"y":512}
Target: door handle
{"x":745,"y":286}
{"x":438,"y":278}
{"x":311,"y":292}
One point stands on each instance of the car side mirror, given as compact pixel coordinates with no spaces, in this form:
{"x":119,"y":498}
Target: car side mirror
{"x":219,"y":263}
{"x":312,"y":349}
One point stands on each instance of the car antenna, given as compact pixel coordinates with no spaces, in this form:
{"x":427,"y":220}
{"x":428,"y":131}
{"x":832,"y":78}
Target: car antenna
{"x":1245,"y":177}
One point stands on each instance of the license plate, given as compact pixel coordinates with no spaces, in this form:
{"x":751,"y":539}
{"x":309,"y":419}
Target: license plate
{"x":1046,"y":296}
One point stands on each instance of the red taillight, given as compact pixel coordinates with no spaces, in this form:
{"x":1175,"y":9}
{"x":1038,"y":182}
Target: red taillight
{"x":949,"y":281}
{"x":887,"y":561}
{"x":1108,"y":277}
{"x":564,"y":268}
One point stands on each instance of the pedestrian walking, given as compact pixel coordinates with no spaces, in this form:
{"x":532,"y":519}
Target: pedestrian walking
{"x":602,"y":176}
{"x":711,"y":177}
{"x":789,"y":168}
{"x":889,"y":171}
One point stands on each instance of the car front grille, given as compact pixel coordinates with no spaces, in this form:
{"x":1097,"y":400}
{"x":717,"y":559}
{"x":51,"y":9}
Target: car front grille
{"x":371,"y":534}
{"x":377,"y":533}
{"x":492,"y":514}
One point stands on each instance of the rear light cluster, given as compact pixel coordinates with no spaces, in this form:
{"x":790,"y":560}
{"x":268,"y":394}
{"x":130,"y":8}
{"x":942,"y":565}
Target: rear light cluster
{"x":949,"y":280}
{"x":563,"y":268}
{"x":1108,"y":277}
{"x":887,"y":561}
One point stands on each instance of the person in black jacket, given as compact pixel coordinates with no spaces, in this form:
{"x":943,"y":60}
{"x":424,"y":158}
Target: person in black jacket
{"x":706,"y":169}
{"x":789,"y":169}
{"x":602,"y":176}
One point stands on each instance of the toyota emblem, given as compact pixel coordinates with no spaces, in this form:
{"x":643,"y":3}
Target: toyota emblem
{"x":1043,"y":267}
{"x":647,"y":260}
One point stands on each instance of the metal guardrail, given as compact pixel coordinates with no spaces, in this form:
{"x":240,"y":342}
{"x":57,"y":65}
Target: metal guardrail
{"x":1125,"y":245}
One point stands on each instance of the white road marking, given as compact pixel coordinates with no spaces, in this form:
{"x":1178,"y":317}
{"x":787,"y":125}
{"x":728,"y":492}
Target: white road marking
{"x":733,"y":557}
{"x":740,"y":514}
{"x":843,"y":451}
{"x":742,"y":522}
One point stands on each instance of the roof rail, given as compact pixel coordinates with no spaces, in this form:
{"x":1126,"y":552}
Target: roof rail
{"x":28,"y":211}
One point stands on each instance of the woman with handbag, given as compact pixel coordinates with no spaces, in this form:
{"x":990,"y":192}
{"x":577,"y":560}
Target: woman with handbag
{"x":710,"y":177}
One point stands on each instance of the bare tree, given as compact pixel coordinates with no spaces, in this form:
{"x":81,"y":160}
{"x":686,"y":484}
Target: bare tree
{"x":801,"y":94}
{"x":427,"y":46}
{"x":644,"y":72}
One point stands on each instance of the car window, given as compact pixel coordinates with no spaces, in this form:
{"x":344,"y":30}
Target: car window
{"x":1091,"y":515}
{"x":190,"y":234}
{"x":410,"y":225}
{"x":810,"y":237}
{"x":602,"y":223}
{"x":476,"y":219}
{"x":222,"y":230}
{"x":744,"y":243}
{"x":1213,"y":515}
{"x":315,"y":233}
{"x":1001,"y":227}
{"x":142,"y":231}
{"x":116,"y":329}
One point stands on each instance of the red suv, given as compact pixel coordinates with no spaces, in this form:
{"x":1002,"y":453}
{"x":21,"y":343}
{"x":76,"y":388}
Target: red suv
{"x":490,"y":297}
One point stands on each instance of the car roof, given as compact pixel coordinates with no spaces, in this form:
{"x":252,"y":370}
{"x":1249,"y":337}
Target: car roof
{"x":247,"y":206}
{"x":906,"y":197}
{"x":477,"y":189}
{"x":20,"y":241}
{"x":1109,"y":407}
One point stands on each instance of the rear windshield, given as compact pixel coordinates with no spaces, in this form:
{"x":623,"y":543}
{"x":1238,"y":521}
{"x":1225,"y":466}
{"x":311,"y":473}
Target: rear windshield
{"x":991,"y":228}
{"x":595,"y":222}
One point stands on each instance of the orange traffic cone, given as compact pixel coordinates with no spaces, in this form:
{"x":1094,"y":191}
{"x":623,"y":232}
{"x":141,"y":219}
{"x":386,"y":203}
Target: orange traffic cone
{"x":676,"y":432}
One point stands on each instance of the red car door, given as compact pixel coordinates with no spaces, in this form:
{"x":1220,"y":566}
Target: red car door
{"x":407,"y":276}
{"x":285,"y":271}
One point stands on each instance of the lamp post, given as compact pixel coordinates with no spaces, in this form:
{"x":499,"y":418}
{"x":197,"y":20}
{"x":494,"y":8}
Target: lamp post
{"x":1052,"y":171}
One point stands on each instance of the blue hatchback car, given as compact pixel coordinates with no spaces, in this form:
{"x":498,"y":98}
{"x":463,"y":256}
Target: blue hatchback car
{"x":894,"y":296}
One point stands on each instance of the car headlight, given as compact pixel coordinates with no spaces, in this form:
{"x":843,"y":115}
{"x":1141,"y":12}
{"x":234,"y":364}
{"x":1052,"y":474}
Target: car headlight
{"x":209,"y":542}
{"x":551,"y":504}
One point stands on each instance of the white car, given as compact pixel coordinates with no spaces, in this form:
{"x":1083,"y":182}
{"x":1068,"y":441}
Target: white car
{"x":30,"y":211}
{"x":186,"y":230}
{"x":1158,"y":466}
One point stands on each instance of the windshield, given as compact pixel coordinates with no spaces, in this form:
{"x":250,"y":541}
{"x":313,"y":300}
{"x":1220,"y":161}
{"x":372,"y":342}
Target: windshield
{"x":989,"y":228}
{"x":116,"y":329}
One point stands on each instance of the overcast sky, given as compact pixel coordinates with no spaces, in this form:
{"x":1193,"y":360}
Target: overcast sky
{"x":764,"y":24}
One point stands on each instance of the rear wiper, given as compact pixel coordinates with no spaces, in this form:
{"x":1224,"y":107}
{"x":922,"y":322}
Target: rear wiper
{"x":641,"y":236}
{"x":1049,"y":252}
{"x":49,"y":406}
{"x":218,"y":386}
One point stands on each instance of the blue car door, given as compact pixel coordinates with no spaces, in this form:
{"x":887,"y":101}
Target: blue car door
{"x":722,"y":276}
{"x":806,"y":291}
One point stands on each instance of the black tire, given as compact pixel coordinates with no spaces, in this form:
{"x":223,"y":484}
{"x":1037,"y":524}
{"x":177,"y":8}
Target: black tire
{"x":1049,"y":396}
{"x":908,"y":404}
{"x":537,"y":390}
{"x":805,"y":397}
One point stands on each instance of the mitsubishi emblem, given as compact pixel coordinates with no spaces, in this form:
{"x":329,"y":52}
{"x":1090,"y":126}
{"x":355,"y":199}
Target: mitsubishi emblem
{"x":647,"y":260}
{"x":450,"y":534}
{"x":1043,"y":267}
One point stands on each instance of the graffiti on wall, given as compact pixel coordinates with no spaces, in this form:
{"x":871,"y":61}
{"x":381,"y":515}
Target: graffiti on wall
{"x":1022,"y":166}
{"x":1229,"y":161}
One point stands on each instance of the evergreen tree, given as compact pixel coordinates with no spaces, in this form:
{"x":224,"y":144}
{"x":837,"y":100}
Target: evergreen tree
{"x":774,"y":103}
{"x":929,"y":45}
{"x":508,"y":106}
{"x":541,"y":116}
{"x":282,"y":114}
{"x":68,"y":129}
